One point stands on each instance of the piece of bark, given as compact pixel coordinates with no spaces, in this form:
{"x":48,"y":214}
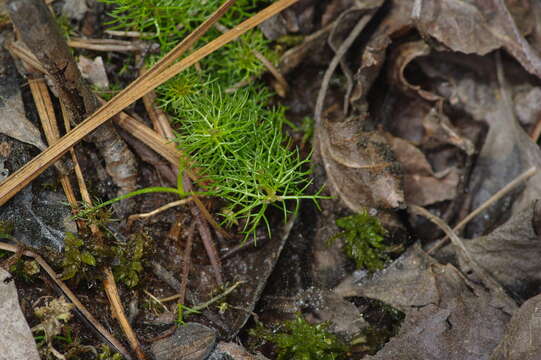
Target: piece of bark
{"x":38,"y":30}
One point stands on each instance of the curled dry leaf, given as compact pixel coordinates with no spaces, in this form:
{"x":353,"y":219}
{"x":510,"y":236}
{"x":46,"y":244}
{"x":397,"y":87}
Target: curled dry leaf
{"x":360,"y":166}
{"x":472,"y":27}
{"x":471,"y":88}
{"x":421,"y":186}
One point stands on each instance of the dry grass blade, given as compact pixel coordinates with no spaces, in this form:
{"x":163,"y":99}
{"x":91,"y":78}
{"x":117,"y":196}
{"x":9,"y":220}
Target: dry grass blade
{"x":114,"y":299}
{"x":44,"y":105}
{"x":134,"y":91}
{"x":106,"y":45}
{"x":71,"y":296}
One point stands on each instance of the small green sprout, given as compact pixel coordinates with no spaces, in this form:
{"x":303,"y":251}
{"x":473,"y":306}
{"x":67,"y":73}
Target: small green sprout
{"x":300,"y":340}
{"x":363,"y":237}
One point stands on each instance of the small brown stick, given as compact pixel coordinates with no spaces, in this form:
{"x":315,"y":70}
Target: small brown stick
{"x":45,"y":109}
{"x":488,"y":279}
{"x":186,"y":263}
{"x":493,"y":199}
{"x":107,"y":45}
{"x":156,"y":76}
{"x":83,"y":189}
{"x":340,"y":53}
{"x":160,"y":120}
{"x":114,"y":299}
{"x":71,"y":296}
{"x":205,"y":234}
{"x":283,"y":86}
{"x":168,"y":206}
{"x":135,"y":34}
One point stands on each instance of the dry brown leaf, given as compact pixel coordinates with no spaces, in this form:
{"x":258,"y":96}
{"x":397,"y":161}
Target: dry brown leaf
{"x":360,"y":166}
{"x":448,"y":317}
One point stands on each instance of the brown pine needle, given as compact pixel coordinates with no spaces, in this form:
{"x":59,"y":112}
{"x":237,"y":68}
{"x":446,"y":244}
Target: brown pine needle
{"x":118,"y":310}
{"x":156,"y":76}
{"x":46,"y":114}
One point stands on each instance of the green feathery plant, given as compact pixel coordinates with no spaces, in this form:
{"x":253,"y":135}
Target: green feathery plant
{"x":234,"y":140}
{"x":169,"y":21}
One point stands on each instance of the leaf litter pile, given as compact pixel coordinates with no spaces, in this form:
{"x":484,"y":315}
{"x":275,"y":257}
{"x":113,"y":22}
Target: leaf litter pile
{"x":257,"y":179}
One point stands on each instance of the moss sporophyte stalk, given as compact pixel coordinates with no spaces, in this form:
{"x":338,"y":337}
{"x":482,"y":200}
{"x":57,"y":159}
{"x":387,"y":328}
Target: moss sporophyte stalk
{"x":234,"y":140}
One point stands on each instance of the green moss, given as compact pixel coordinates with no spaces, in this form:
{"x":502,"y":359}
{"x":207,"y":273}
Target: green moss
{"x":85,"y":253}
{"x":363,"y":237}
{"x":300,"y":340}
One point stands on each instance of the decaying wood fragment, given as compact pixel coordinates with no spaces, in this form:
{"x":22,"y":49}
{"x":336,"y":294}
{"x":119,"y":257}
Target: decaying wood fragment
{"x":39,"y":32}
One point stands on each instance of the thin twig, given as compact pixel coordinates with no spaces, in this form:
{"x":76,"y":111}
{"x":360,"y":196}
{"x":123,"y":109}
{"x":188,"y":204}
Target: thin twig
{"x":159,"y":118}
{"x":135,"y":34}
{"x":340,"y":53}
{"x":206,"y":304}
{"x":186,"y":262}
{"x":170,"y":205}
{"x":488,"y":279}
{"x":204,"y":232}
{"x":71,"y":296}
{"x":493,"y":199}
{"x":281,"y":90}
{"x":156,"y":300}
{"x":107,"y":45}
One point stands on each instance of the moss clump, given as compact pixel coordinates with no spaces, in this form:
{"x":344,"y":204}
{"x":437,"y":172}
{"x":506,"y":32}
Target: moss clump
{"x":363,"y":237}
{"x":300,"y":340}
{"x":85,"y":252}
